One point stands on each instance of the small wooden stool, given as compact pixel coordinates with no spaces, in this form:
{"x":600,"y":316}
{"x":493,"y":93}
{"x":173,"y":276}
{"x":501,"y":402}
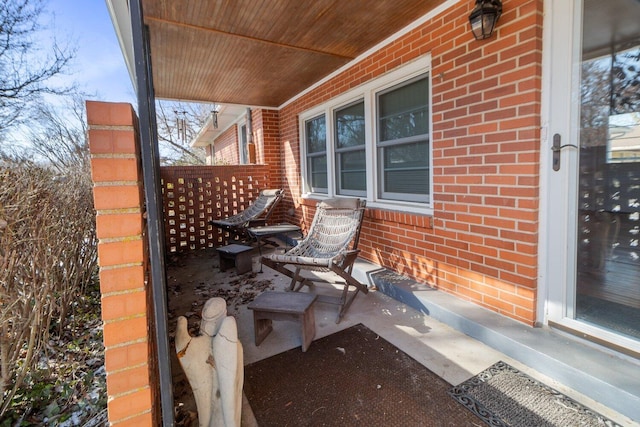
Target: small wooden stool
{"x":295,"y":306}
{"x":237,"y":256}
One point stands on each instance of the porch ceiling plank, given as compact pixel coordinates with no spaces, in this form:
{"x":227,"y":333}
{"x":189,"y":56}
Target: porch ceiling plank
{"x":211,"y":31}
{"x":233,"y":78}
{"x":263,"y":53}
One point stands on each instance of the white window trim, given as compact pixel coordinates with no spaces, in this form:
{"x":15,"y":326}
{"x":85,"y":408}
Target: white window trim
{"x":368,"y":92}
{"x":309,"y":115}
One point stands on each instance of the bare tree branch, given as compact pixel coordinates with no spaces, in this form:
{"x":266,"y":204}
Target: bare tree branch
{"x":178,"y":125}
{"x":59,"y":135}
{"x":24,"y":69}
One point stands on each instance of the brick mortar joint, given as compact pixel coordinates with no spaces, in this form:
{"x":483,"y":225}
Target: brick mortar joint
{"x":124,"y":292}
{"x":127,"y":344}
{"x":112,"y":397}
{"x":114,"y":156}
{"x":132,"y":238}
{"x":119,"y":266}
{"x":116,"y":423}
{"x":124,"y":319}
{"x":127,"y":368}
{"x":112,"y":127}
{"x":117,"y":184}
{"x":119,"y":211}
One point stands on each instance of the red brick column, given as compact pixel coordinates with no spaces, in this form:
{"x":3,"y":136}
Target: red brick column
{"x":270,"y":152}
{"x":123,"y":258}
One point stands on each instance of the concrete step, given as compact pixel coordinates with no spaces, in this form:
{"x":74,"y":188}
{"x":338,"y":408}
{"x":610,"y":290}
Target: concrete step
{"x":601,"y":374}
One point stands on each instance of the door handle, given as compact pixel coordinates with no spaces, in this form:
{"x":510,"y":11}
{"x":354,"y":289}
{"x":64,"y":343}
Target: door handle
{"x":557,"y":149}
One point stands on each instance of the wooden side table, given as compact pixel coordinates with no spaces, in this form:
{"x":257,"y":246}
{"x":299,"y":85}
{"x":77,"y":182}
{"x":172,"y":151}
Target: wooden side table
{"x":293,"y":306}
{"x":238,"y":256}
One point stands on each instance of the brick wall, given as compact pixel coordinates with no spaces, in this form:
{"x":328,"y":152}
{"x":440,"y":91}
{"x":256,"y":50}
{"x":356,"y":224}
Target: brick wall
{"x":481,"y":243}
{"x":226,"y":147}
{"x":266,"y":136}
{"x":269,"y":151}
{"x":123,"y":260}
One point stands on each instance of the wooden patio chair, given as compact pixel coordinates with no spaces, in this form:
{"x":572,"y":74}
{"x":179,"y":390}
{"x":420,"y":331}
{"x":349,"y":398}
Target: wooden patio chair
{"x":330,"y":246}
{"x":256,"y":214}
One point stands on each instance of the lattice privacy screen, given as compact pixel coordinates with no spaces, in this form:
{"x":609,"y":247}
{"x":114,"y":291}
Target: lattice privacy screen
{"x":609,"y":213}
{"x":194,"y":195}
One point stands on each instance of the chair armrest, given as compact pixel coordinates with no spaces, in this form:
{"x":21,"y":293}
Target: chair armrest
{"x":349,"y":258}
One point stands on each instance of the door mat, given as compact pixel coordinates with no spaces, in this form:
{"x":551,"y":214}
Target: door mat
{"x":353,"y":377}
{"x":503,"y":396}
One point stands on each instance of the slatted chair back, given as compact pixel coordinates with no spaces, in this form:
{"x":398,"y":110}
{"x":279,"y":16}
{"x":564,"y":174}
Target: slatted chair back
{"x":335,"y":229}
{"x":261,"y":208}
{"x":331,"y":245}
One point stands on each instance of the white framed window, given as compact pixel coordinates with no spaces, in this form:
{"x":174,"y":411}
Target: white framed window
{"x":403,"y":120}
{"x":373,"y":142}
{"x":316,"y":154}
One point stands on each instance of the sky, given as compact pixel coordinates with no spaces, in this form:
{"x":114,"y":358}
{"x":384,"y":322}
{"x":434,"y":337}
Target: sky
{"x":98,"y":66}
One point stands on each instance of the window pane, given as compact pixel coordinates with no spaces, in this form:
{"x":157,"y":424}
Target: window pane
{"x":353,"y":171}
{"x":350,"y":126}
{"x":404,"y":112}
{"x":316,"y":137}
{"x":406,"y":168}
{"x":318,"y":172}
{"x":404,"y":148}
{"x":316,"y":133}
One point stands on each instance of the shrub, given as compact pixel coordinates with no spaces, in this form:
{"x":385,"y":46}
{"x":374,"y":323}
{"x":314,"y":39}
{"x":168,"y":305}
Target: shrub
{"x":48,"y":256}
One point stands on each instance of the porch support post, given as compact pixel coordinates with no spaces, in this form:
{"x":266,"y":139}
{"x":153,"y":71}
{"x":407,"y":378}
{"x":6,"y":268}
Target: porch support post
{"x":123,"y":261}
{"x":153,"y":197}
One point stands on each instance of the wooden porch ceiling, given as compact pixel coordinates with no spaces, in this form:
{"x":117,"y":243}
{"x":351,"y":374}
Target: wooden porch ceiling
{"x":263,"y":53}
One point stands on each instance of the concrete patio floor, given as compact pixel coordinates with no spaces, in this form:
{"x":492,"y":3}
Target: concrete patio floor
{"x":454,"y":356}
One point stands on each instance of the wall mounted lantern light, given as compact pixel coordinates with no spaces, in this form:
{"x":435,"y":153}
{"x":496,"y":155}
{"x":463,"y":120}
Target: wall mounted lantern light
{"x":483,"y":18}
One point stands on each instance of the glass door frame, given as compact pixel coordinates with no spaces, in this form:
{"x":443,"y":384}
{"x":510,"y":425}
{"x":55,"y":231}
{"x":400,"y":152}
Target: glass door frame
{"x":562,"y":41}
